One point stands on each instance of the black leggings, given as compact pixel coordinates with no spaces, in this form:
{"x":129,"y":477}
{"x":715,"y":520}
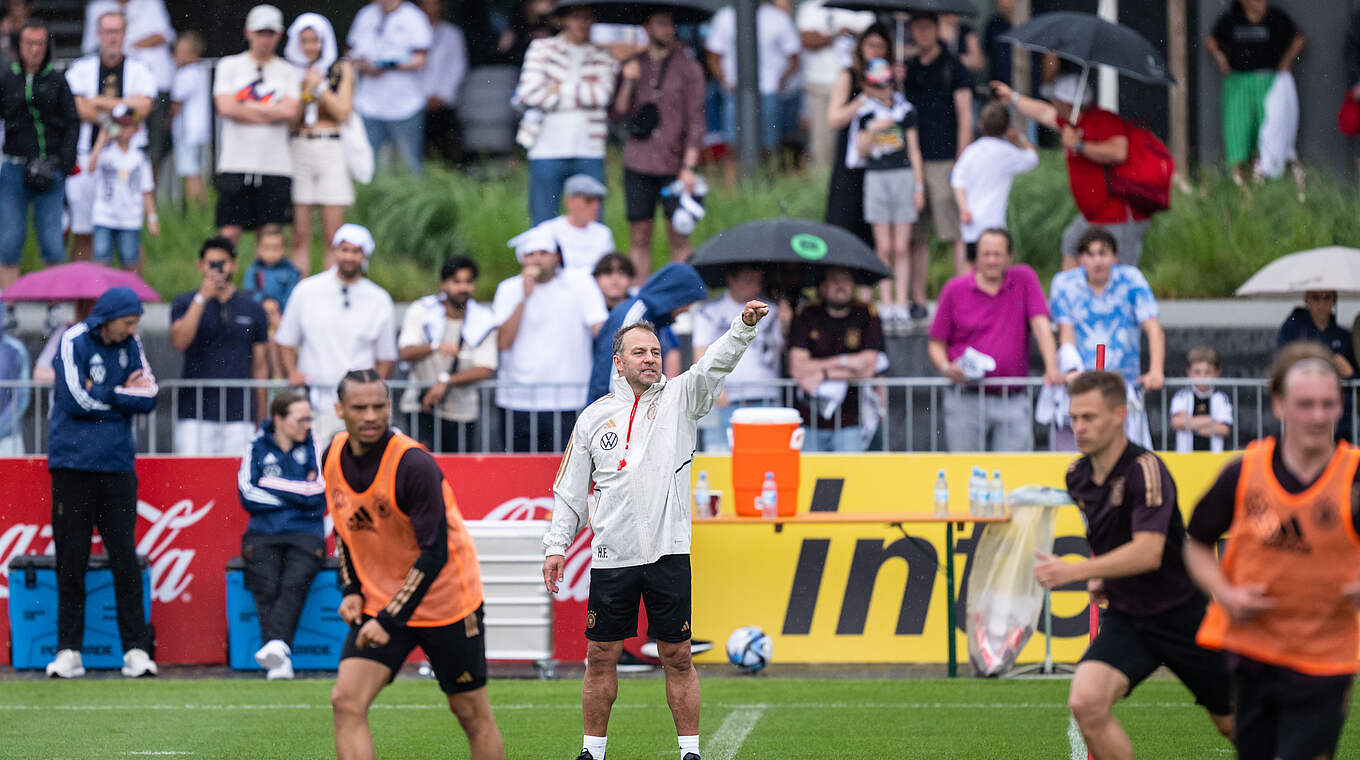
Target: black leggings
{"x":279,"y":572}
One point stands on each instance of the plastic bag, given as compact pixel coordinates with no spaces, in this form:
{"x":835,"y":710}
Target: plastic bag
{"x":359,"y":157}
{"x":1004,"y":599}
{"x":1280,"y":129}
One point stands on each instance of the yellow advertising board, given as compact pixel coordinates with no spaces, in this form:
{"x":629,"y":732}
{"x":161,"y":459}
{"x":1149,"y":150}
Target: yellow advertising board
{"x":867,"y":592}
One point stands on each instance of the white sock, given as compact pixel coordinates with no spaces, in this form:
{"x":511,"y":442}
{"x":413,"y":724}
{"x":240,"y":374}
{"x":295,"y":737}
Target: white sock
{"x":595,"y":744}
{"x":688,"y":744}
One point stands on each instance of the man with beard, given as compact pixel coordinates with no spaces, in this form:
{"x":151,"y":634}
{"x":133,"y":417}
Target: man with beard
{"x":335,"y":320}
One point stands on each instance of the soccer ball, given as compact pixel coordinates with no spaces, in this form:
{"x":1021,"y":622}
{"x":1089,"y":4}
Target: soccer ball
{"x":749,"y":648}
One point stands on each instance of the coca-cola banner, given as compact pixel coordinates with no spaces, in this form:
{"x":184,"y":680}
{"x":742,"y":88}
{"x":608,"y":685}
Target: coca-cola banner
{"x":190,"y":523}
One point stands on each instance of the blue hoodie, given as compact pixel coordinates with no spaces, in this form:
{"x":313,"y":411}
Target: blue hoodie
{"x":282,"y":490}
{"x":91,"y":425}
{"x":669,"y":288}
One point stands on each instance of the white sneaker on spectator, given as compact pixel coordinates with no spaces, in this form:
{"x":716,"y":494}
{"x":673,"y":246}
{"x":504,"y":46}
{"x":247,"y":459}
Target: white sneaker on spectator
{"x":273,"y":654}
{"x":66,"y":665}
{"x":137,"y":664}
{"x":283,"y":672}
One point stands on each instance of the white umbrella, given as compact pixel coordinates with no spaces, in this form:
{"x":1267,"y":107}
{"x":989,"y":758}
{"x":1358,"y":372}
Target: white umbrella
{"x":1332,"y":268}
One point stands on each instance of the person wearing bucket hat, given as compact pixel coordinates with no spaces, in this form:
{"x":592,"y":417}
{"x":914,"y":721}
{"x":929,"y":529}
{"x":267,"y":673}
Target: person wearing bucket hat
{"x":633,"y":448}
{"x":102,"y":381}
{"x":582,"y":240}
{"x":548,"y":316}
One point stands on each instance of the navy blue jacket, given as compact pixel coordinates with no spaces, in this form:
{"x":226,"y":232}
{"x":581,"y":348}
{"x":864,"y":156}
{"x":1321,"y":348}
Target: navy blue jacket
{"x":91,"y":424}
{"x":282,"y":490}
{"x":671,"y":287}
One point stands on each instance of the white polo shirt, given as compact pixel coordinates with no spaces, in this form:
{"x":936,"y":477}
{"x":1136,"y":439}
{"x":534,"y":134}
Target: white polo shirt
{"x":776,"y":39}
{"x":397,"y":36}
{"x":984,"y":172}
{"x":332,"y":338}
{"x":554,"y":344}
{"x":582,"y":247}
{"x":256,"y":148}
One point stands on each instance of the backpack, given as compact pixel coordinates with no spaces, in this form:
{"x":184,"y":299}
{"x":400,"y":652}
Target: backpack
{"x":1144,"y":179}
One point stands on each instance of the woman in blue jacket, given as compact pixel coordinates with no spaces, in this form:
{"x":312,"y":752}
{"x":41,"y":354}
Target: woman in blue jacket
{"x":283,"y":546}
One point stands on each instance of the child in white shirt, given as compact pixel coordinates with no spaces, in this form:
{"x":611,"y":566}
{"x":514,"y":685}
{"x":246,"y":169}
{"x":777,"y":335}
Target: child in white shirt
{"x":123,"y":185}
{"x":191,"y":103}
{"x":1201,"y":416}
{"x":983,"y":174}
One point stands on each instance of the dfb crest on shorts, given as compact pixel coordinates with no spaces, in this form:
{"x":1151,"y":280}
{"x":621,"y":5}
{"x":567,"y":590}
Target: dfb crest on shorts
{"x":609,"y":440}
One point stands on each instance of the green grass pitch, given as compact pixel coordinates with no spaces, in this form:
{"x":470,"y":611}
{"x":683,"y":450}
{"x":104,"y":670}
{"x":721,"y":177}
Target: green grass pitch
{"x":751,"y":718}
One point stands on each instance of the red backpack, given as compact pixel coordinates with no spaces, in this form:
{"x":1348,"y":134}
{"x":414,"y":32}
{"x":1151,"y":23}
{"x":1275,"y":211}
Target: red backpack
{"x":1144,"y":179}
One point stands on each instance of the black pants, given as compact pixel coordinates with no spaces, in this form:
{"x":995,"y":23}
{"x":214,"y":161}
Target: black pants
{"x":81,"y":501}
{"x":279,"y":572}
{"x":444,"y":136}
{"x":453,"y":437}
{"x":541,"y":432}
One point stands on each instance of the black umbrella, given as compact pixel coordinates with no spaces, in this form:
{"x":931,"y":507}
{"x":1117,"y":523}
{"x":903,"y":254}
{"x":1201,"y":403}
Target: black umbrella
{"x":963,"y":7}
{"x":634,"y":13}
{"x":1091,"y":40}
{"x":787,"y":241}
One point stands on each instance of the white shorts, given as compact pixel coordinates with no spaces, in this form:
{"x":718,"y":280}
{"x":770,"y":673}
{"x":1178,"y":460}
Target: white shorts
{"x":320,"y":173}
{"x":190,"y":160}
{"x":80,"y":190}
{"x":212,"y":439}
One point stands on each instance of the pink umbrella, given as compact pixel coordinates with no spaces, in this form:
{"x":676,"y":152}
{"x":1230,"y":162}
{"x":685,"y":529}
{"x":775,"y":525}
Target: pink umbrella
{"x":73,"y":282}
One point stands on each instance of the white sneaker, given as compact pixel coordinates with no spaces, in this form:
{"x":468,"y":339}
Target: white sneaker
{"x":283,"y":672}
{"x":66,"y":665}
{"x":137,"y":664}
{"x":273,"y":654}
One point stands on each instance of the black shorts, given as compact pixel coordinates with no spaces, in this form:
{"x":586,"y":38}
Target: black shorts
{"x":642,"y":193}
{"x":250,"y":201}
{"x":1136,"y":645}
{"x":1287,"y":715}
{"x":457,"y":652}
{"x":663,"y":586}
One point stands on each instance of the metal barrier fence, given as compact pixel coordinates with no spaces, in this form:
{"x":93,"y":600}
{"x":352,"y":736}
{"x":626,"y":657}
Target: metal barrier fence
{"x":913,"y":416}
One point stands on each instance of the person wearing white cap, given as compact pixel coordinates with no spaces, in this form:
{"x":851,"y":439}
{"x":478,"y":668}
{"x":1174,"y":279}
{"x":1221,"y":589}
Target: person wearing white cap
{"x":390,"y":42}
{"x":336,"y":321}
{"x":257,"y":96}
{"x":582,"y":240}
{"x":1098,"y":140}
{"x":548,"y":319}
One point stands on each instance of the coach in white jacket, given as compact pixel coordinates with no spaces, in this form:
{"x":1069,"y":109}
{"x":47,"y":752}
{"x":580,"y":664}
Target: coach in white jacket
{"x":636,"y":444}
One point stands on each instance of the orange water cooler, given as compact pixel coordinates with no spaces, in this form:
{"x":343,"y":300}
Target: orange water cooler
{"x":766,"y":439}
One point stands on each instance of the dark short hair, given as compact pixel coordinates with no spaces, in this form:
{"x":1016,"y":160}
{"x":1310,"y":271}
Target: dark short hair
{"x":1003,"y":232}
{"x":1109,"y":384}
{"x":732,"y":270}
{"x":271,"y":230}
{"x":994,"y":119}
{"x":612,"y":261}
{"x":825,"y":272}
{"x":1096,"y":235}
{"x":1293,"y":354}
{"x":218,"y":243}
{"x":360,"y":377}
{"x":456,"y":264}
{"x":1205,"y":354}
{"x":281,"y":403}
{"x":622,"y":331}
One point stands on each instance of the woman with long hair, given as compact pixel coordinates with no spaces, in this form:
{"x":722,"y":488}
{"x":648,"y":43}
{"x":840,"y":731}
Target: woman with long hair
{"x":845,"y":194}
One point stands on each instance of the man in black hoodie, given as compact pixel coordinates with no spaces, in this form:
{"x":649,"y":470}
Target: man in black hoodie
{"x":41,"y":126}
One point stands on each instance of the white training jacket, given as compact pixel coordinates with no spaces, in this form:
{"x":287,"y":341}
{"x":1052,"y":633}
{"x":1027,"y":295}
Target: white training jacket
{"x":637,"y":450}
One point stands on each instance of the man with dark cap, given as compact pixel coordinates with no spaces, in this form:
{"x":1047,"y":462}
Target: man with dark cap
{"x":102,"y":380}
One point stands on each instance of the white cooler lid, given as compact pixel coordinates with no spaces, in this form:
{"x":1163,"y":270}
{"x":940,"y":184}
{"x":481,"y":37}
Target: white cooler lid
{"x":766,"y":415}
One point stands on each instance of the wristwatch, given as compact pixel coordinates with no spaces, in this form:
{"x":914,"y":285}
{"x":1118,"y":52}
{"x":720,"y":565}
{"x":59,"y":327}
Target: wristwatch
{"x":443,"y":378}
{"x":1081,"y":146}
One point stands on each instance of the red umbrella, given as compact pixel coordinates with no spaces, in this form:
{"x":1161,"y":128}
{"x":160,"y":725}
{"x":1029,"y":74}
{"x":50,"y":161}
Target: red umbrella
{"x":73,"y":282}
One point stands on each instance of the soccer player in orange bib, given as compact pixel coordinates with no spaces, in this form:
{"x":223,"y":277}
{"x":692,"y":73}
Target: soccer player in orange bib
{"x":1286,"y":590}
{"x":409,"y":571}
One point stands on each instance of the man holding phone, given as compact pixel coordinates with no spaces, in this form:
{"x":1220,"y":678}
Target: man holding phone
{"x":224,"y":334}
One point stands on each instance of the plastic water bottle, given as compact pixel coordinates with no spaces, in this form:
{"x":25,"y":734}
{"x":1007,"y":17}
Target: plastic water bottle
{"x":941,"y":496}
{"x":977,"y":491}
{"x":997,"y":501}
{"x":702,"y":499}
{"x":769,"y":498}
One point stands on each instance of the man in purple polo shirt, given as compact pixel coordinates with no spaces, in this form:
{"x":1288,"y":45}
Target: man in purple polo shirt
{"x":991,"y":309}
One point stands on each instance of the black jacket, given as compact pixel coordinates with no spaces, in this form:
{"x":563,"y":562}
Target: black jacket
{"x":57,"y":122}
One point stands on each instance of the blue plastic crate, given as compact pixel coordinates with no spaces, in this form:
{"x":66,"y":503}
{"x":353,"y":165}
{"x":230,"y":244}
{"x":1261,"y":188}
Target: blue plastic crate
{"x":33,"y":612}
{"x":320,"y":633}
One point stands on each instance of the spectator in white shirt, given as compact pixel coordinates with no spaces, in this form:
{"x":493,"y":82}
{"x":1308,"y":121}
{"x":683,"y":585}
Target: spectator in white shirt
{"x":443,"y":78}
{"x":123,"y":185}
{"x":257,"y":96}
{"x":582,"y":240}
{"x":548,"y":317}
{"x":102,"y":83}
{"x":566,"y":85}
{"x":337,"y":321}
{"x":1201,"y":416}
{"x":828,"y":37}
{"x":148,"y":39}
{"x":755,"y":381}
{"x":191,"y":106}
{"x":778,"y":45}
{"x":389,"y":43}
{"x":982,"y":176}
